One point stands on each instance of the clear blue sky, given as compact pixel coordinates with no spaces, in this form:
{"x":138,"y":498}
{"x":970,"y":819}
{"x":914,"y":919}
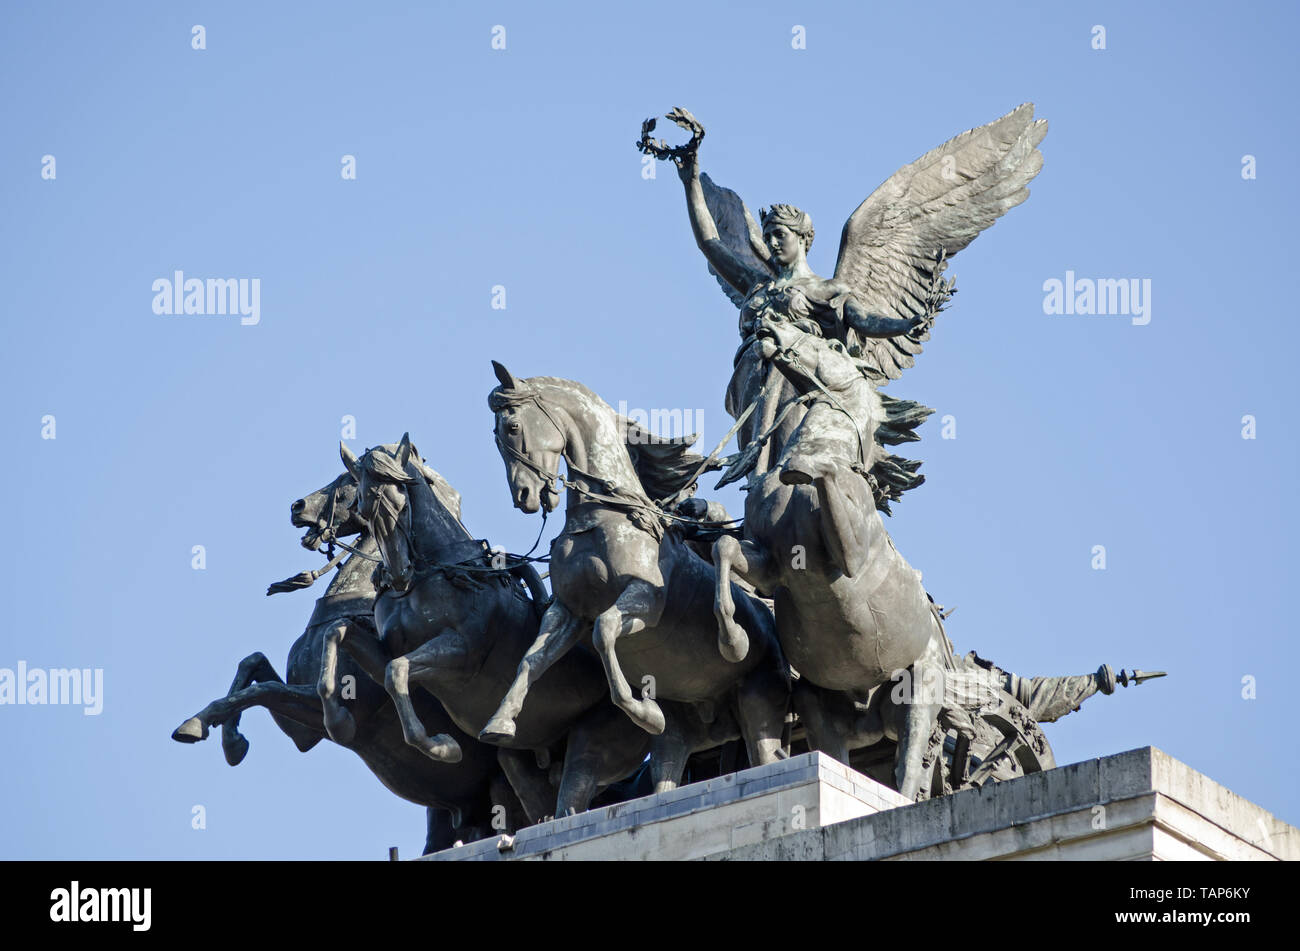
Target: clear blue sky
{"x":478,"y":167}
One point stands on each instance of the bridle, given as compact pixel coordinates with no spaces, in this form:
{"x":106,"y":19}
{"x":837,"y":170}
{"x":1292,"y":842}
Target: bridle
{"x":789,"y":356}
{"x":614,"y":496}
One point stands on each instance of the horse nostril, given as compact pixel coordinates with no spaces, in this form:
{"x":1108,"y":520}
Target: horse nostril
{"x":297,"y":507}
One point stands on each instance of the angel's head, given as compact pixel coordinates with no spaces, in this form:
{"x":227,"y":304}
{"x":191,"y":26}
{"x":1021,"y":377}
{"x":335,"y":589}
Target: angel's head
{"x":788,"y":232}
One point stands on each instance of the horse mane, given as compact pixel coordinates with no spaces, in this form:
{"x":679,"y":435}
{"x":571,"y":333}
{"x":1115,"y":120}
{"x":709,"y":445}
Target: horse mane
{"x":381,"y":462}
{"x":663,"y":465}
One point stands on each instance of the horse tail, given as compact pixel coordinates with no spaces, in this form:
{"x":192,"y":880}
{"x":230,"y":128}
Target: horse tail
{"x":892,"y":475}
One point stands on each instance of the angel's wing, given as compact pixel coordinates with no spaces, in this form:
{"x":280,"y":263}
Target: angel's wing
{"x":738,"y":231}
{"x":893,"y":248}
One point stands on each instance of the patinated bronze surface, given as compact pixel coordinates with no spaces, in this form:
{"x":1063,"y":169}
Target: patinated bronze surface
{"x":675,"y":643}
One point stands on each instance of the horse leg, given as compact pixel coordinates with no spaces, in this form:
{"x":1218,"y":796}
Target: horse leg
{"x":917,"y":713}
{"x":294,"y":702}
{"x":669,"y":753}
{"x":846,"y":518}
{"x":755,"y":566}
{"x":426,"y":663}
{"x":368,"y":651}
{"x":252,"y":669}
{"x":602,"y":747}
{"x":638,"y":607}
{"x":762,"y":701}
{"x":507,"y":812}
{"x":439,"y":834}
{"x":531,"y":785}
{"x":824,"y":730}
{"x":339,"y":724}
{"x":559,"y":631}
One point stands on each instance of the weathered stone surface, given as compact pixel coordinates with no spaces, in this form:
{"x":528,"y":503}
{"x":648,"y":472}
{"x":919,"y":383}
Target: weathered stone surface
{"x":1140,"y":805}
{"x":716,"y":817}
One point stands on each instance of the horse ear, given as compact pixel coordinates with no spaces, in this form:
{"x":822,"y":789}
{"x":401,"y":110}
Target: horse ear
{"x":404,"y":450}
{"x":508,"y":382}
{"x":350,"y":460}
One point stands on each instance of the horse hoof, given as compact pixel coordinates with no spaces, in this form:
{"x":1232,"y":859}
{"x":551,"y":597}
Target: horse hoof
{"x":734,"y":647}
{"x":650,"y":718}
{"x":498,"y":730}
{"x":191,"y":731}
{"x":444,"y":749}
{"x":236,"y":749}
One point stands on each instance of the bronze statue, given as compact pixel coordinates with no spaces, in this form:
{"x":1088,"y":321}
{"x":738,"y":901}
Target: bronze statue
{"x":812,"y":427}
{"x":719,"y":641}
{"x":616,"y":567}
{"x":459,"y":626}
{"x":460,"y":797}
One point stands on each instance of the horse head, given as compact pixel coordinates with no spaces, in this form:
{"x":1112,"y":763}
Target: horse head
{"x":530,"y":441}
{"x":328,"y":513}
{"x":383,"y":476}
{"x":412,"y":511}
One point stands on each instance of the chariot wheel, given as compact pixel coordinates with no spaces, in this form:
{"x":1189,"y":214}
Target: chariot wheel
{"x":968,"y":749}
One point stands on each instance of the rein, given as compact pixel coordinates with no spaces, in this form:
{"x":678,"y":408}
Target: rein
{"x":790,"y":357}
{"x":620,"y":501}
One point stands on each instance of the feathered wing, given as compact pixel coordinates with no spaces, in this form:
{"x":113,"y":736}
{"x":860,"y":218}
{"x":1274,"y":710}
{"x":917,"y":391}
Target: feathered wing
{"x":738,"y":231}
{"x":894,"y":247}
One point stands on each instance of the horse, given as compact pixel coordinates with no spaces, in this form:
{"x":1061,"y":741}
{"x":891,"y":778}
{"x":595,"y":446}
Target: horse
{"x":646,"y":596}
{"x":851,"y":613}
{"x":457,"y":623}
{"x":468,"y":801}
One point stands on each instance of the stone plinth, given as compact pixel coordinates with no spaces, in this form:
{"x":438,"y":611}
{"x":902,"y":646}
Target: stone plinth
{"x":1141,"y":805}
{"x":702,"y":820}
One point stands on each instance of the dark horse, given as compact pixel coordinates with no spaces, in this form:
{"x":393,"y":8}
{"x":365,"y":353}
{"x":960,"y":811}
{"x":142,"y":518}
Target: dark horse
{"x":457,"y":624}
{"x":648,"y":596}
{"x":851,"y":613}
{"x":460,"y":798}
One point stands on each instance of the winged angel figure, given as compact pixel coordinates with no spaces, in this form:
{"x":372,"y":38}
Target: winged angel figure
{"x":811,"y":422}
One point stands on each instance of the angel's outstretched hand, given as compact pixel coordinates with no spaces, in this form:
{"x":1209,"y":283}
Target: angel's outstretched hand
{"x":688,"y":166}
{"x":920,"y":327}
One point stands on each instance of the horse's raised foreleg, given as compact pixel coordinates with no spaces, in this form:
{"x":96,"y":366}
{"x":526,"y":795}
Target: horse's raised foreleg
{"x":252,"y":669}
{"x":293,"y":702}
{"x":365,"y":647}
{"x":559,"y":631}
{"x":755,"y":566}
{"x":429,"y":661}
{"x":339,"y":724}
{"x":847,"y":515}
{"x":638,"y":607}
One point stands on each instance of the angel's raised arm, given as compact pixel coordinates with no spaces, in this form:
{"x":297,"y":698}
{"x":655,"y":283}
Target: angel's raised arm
{"x":740,"y":272}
